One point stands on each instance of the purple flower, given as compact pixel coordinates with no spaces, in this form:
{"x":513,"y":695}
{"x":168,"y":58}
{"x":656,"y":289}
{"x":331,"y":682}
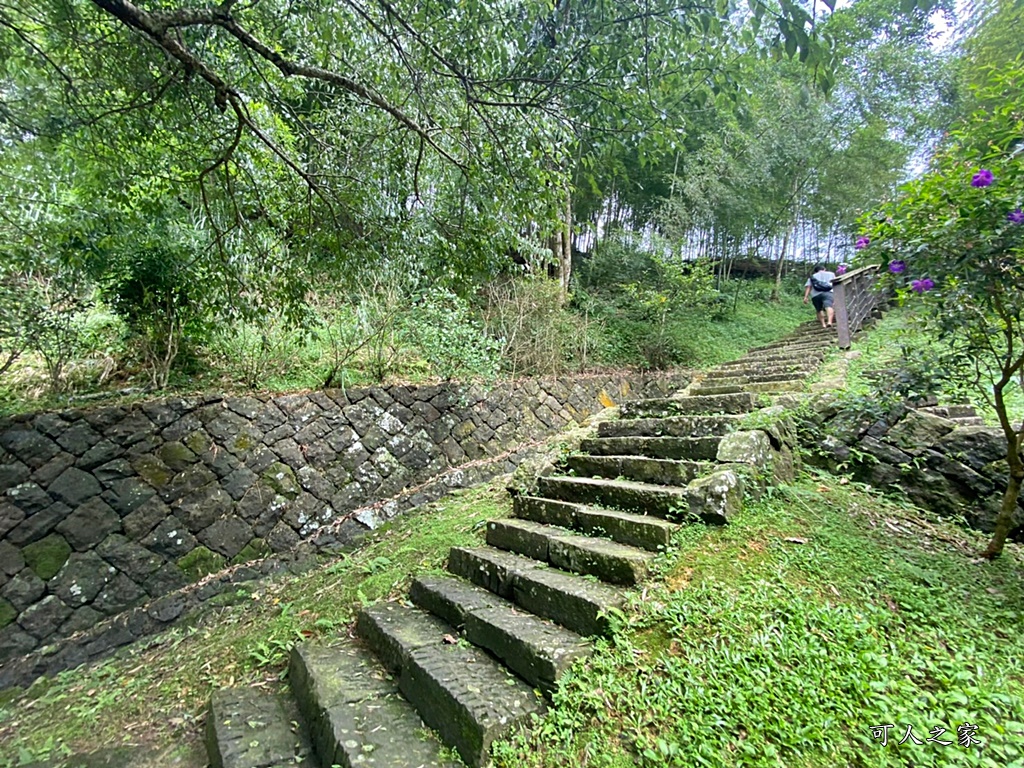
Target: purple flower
{"x":863,"y":242}
{"x":982,"y":178}
{"x":1015,"y":217}
{"x":920,"y":286}
{"x":897,"y":266}
{"x":841,"y":269}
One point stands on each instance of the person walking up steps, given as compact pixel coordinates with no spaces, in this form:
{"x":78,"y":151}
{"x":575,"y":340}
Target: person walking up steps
{"x":819,"y":289}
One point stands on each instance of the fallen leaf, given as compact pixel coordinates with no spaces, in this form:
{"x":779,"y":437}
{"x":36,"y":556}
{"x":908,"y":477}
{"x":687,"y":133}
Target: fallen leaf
{"x":823,"y":489}
{"x":795,"y":540}
{"x":449,"y":640}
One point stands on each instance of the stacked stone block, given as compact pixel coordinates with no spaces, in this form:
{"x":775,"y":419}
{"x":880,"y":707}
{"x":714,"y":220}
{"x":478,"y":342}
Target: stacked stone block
{"x":105,"y":509}
{"x":941,"y":457}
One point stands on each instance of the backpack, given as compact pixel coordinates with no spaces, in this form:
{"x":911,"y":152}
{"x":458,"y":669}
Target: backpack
{"x":820,"y":285}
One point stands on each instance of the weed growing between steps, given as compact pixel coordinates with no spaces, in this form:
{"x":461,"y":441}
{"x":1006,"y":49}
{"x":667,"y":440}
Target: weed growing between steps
{"x":156,"y":694}
{"x":782,"y":639}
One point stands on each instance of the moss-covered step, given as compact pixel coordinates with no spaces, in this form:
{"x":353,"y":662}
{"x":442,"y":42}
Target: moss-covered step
{"x":537,"y":650}
{"x":249,"y":728}
{"x":641,"y":469}
{"x":645,"y":531}
{"x":356,"y":713}
{"x":703,"y":388}
{"x":468,"y":697}
{"x":693,"y":448}
{"x":608,"y":560}
{"x":675,"y":426}
{"x":794,"y":344}
{"x":797,"y":356}
{"x":714,"y":498}
{"x":750,"y":370}
{"x":802,"y":338}
{"x":683,"y":406}
{"x":749,"y":378}
{"x":760,"y":387}
{"x":572,"y":601}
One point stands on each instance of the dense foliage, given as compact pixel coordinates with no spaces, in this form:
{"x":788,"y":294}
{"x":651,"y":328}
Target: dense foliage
{"x":277,"y":194}
{"x":956,"y":238}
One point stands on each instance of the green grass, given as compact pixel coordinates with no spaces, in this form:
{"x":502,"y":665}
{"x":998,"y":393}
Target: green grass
{"x":756,"y":321}
{"x":155,"y":694}
{"x":782,"y":639}
{"x":746,"y":318}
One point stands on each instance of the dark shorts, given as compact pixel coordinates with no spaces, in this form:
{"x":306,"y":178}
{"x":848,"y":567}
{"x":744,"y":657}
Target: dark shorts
{"x":821,"y":301}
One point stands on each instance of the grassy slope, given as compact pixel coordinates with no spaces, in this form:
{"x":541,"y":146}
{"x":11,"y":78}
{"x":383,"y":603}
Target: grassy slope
{"x":778,"y":641}
{"x":755,"y":322}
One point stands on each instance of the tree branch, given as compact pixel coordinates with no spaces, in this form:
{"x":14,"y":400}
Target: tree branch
{"x":158,"y":25}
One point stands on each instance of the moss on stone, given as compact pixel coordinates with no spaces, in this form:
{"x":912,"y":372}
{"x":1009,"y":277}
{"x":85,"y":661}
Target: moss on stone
{"x":231,"y":597}
{"x":47,"y":556}
{"x":198,"y":442}
{"x":7,"y":613}
{"x":254,"y":550}
{"x":243,"y":442}
{"x":153,"y":471}
{"x":176,"y":455}
{"x":201,"y":562}
{"x":282,"y":480}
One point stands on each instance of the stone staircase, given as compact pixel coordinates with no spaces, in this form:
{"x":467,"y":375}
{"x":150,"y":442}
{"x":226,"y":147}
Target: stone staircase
{"x":475,"y":652}
{"x":963,"y":415}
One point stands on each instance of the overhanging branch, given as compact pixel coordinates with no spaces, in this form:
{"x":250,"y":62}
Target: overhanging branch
{"x":158,"y":25}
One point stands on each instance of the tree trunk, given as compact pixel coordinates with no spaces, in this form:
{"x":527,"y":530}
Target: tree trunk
{"x":565,"y":262}
{"x":777,"y":288}
{"x":1013,"y":460}
{"x":1006,"y":511}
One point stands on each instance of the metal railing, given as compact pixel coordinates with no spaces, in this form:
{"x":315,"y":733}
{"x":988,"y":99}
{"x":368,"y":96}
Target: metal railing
{"x":855,"y":299}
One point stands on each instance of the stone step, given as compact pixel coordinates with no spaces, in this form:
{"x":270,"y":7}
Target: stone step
{"x":250,"y":728}
{"x":797,"y":358}
{"x":658,"y":471}
{"x":716,"y":388}
{"x":675,"y":426}
{"x":696,"y":448}
{"x":776,"y":387}
{"x":537,"y":650}
{"x":465,"y":695}
{"x":629,"y":496}
{"x":356,"y":714}
{"x":574,"y":602}
{"x":794,"y":358}
{"x":713,"y":498}
{"x":761,"y":370}
{"x":795,"y":344}
{"x":727,"y":378}
{"x":950,"y":411}
{"x":969,"y":421}
{"x":683,"y":406}
{"x":645,"y":531}
{"x":608,"y":560}
{"x":759,"y":387}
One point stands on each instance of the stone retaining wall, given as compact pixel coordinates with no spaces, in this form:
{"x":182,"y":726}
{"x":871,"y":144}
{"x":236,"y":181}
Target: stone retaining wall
{"x":938,"y":463}
{"x":105,"y":509}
